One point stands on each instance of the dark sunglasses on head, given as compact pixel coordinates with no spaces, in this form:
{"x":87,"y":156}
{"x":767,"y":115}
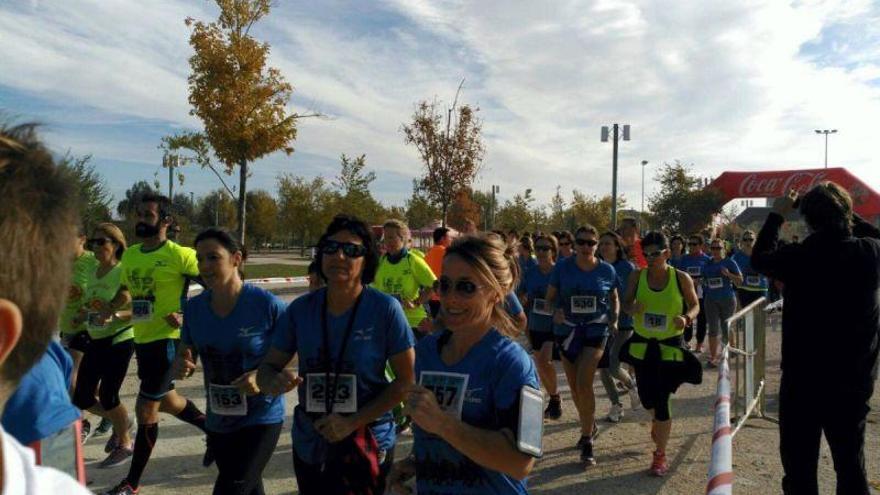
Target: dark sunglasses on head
{"x":543,"y":248}
{"x":97,"y":242}
{"x":350,"y":250}
{"x":463,"y":287}
{"x":586,"y":242}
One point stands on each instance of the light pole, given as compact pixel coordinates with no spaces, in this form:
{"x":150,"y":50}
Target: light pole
{"x":642,"y":213}
{"x":615,"y":138}
{"x":826,"y":132}
{"x":495,"y":189}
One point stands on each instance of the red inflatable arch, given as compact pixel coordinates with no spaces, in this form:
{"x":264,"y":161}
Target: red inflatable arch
{"x":733,"y":185}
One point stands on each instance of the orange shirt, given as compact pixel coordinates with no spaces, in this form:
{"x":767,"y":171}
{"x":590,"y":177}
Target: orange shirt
{"x":434,"y":258}
{"x":637,"y":256}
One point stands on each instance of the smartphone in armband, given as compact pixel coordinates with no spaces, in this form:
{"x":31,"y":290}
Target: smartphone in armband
{"x":530,"y":433}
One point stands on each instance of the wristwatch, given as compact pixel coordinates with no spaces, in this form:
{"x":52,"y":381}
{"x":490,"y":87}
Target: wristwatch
{"x":688,"y":320}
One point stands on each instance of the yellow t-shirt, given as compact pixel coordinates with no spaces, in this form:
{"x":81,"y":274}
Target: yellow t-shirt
{"x":84,"y":265}
{"x":156,"y":281}
{"x":403,"y":280}
{"x":104,"y":289}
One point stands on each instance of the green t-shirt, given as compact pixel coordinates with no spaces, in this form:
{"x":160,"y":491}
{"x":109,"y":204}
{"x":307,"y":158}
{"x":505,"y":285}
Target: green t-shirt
{"x":155,"y":280}
{"x":104,"y":289}
{"x":403,"y":280}
{"x":84,"y":265}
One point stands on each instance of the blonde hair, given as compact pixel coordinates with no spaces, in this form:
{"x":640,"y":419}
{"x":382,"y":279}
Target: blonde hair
{"x":400,"y":225}
{"x":496,"y":265}
{"x":114,"y":232}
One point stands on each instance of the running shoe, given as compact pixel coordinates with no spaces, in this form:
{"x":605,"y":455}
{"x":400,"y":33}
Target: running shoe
{"x":659,"y":467}
{"x":208,"y":458}
{"x":634,"y":401}
{"x":584,"y":439}
{"x":105,"y":426}
{"x":119,"y":456}
{"x":616,"y":413}
{"x":587,"y":454}
{"x":710,"y":365}
{"x":698,"y":349}
{"x":554,"y":408}
{"x":113,"y":441}
{"x":85,"y":431}
{"x":123,"y":488}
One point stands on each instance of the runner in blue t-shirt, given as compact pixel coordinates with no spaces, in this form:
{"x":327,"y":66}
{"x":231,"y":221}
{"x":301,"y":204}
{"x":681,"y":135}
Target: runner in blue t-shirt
{"x":343,"y":426}
{"x":693,"y":263}
{"x":583,"y":290}
{"x":533,"y":292}
{"x":719,"y":276}
{"x":676,"y":251}
{"x":754,"y":284}
{"x":230,"y":327}
{"x":469,"y":435}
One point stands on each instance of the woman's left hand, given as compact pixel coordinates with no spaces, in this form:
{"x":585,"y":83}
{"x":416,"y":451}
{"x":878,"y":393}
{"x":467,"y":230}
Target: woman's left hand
{"x":421,"y":405}
{"x":247,"y":383}
{"x":335,"y":427}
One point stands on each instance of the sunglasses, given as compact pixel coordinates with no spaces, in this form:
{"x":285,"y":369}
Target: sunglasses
{"x":543,"y":248}
{"x":748,"y":239}
{"x":565,"y":244}
{"x":654,"y":254}
{"x":586,"y":242}
{"x":716,"y":248}
{"x":97,"y":242}
{"x":693,"y":243}
{"x":350,"y":250}
{"x":465,"y":288}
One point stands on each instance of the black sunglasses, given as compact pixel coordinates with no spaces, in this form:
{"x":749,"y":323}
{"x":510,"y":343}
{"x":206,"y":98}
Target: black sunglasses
{"x":587,"y":242}
{"x":693,"y":243}
{"x":748,"y":239}
{"x":716,"y":248}
{"x":463,"y":287}
{"x":98,"y":241}
{"x":543,"y":248}
{"x":350,"y":250}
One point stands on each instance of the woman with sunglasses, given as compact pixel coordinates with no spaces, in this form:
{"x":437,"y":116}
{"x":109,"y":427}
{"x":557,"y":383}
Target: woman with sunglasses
{"x":719,"y":276}
{"x":526,"y":258}
{"x":583,"y":290}
{"x":693,"y":263}
{"x":230,"y":325}
{"x":566,"y":245}
{"x":404,"y":275}
{"x":676,"y":250}
{"x":754,"y":284}
{"x":611,"y":251}
{"x":472,"y":377}
{"x":105,"y":362}
{"x":343,"y":427}
{"x":533,"y":292}
{"x":655,"y":297}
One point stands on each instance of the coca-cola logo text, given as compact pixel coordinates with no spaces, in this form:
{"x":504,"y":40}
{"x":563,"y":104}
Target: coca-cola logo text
{"x":754,"y":185}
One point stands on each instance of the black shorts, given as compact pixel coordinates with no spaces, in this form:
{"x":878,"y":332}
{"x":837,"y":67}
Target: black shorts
{"x":538,"y":339}
{"x":154,"y":368}
{"x":102,"y":371}
{"x":570,"y":346}
{"x":77,"y":341}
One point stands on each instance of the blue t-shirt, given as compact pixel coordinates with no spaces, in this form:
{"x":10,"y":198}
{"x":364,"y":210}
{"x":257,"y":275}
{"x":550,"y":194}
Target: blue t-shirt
{"x":380,"y":331}
{"x":752,"y":280}
{"x":534,"y":285}
{"x":233,"y":345}
{"x":40,"y":406}
{"x":526,"y":263}
{"x":693,"y":266}
{"x":512,"y":304}
{"x":675,"y":262}
{"x":584,"y":296}
{"x":715,"y":285}
{"x":623,"y":268}
{"x":495,"y":370}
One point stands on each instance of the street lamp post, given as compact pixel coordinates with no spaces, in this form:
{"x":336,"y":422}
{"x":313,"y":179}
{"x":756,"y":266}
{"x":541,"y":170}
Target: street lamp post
{"x":615,"y":138}
{"x":642,"y":213}
{"x":826,"y":132}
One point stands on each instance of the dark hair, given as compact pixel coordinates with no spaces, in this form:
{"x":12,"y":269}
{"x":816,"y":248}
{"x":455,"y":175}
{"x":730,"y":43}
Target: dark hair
{"x":554,"y":243}
{"x":586,"y":229}
{"x":38,"y":222}
{"x":224,"y":238}
{"x":565,"y":235}
{"x":358,"y":228}
{"x":827,"y":207}
{"x":313,"y":268}
{"x":526,"y":242}
{"x":655,"y":238}
{"x":618,"y":242}
{"x":698,"y":237}
{"x":163,"y":202}
{"x":677,"y":237}
{"x":440,"y":233}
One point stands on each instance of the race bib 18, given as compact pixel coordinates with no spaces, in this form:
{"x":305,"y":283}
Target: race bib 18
{"x":583,"y":304}
{"x":448,"y":388}
{"x":655,"y":322}
{"x":317,"y":390}
{"x":227,"y":400}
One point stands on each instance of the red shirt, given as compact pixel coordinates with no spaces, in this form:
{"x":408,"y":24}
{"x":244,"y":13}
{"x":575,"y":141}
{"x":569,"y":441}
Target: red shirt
{"x":636,"y":255}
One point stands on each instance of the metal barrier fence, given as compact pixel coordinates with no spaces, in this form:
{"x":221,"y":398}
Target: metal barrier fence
{"x":740,"y":391}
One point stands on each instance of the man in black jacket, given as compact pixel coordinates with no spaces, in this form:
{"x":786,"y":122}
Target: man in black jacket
{"x":830,"y":335}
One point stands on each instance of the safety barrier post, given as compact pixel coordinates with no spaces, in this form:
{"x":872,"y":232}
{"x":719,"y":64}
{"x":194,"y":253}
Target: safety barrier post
{"x":721,"y":467}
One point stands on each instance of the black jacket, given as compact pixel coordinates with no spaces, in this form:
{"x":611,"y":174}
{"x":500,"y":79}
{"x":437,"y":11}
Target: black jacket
{"x":831,"y":320}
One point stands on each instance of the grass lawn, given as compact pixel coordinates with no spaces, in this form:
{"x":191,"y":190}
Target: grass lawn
{"x":274,"y":270}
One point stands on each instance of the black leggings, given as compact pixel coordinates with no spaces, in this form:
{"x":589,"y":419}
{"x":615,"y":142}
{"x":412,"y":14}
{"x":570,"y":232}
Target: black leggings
{"x":103,"y":363}
{"x":311,"y":480}
{"x":700,"y":324}
{"x":654,"y":394}
{"x":241,"y":456}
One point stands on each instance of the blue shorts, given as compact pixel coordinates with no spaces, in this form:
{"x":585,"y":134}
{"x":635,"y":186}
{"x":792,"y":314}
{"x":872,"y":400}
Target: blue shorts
{"x":571,"y":346}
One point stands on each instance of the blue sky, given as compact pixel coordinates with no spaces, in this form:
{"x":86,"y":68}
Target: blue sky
{"x":724,"y":85}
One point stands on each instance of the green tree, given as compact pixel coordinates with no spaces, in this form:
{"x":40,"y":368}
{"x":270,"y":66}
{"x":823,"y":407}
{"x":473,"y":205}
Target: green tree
{"x":557,"y":218}
{"x":241,"y":102}
{"x":419,"y":210}
{"x":451,"y":152}
{"x":483,"y":199}
{"x":263,"y":212}
{"x":516,"y":213}
{"x":593,"y":210}
{"x":305,"y":207}
{"x":94,"y":197}
{"x":683,"y":204}
{"x":464,"y":208}
{"x":353,"y":185}
{"x":216,"y":209}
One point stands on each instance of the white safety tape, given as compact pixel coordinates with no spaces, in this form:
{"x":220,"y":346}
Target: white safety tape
{"x":721,"y":463}
{"x":289,"y":281}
